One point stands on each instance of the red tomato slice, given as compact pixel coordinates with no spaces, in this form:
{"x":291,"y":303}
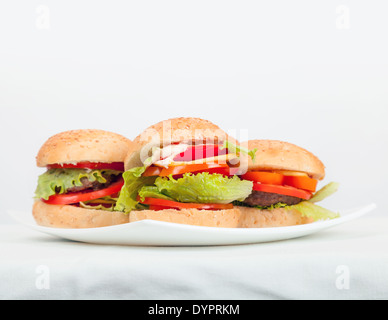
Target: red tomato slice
{"x":301,"y":182}
{"x":264,"y":177}
{"x":159,"y":203}
{"x":118,"y":166}
{"x":157,"y":208}
{"x":226,"y":171}
{"x":76,"y":197}
{"x":287,"y":191}
{"x":201,"y":152}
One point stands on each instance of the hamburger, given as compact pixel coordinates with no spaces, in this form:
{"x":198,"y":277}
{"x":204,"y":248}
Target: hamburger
{"x":82,"y":181}
{"x":184,"y":170}
{"x":285,"y":179}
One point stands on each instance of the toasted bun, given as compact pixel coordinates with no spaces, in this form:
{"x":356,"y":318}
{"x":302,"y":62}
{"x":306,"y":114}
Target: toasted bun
{"x":183,"y":130}
{"x":281,"y":217}
{"x":279,"y":155}
{"x":83,"y":145}
{"x":238,"y":217}
{"x":74,"y":217}
{"x":205,"y":218}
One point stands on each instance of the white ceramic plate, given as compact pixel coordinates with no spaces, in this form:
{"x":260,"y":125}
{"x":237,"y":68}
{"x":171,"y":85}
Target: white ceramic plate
{"x":155,"y":233}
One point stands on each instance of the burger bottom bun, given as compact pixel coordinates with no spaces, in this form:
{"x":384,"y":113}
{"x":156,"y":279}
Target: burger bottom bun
{"x":74,"y":217}
{"x":205,"y":218}
{"x":281,"y":217}
{"x":238,"y":217}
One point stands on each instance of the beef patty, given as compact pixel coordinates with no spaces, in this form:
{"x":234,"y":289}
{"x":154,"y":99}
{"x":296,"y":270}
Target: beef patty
{"x":266,"y":199}
{"x":95,"y":185}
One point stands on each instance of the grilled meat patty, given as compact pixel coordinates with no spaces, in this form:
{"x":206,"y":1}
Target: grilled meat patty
{"x":95,"y":185}
{"x":266,"y":199}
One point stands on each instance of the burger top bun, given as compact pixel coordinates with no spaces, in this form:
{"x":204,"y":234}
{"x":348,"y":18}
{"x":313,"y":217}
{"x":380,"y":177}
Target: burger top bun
{"x":182,"y":130}
{"x":279,"y":155}
{"x":83,"y":145}
{"x":176,"y":130}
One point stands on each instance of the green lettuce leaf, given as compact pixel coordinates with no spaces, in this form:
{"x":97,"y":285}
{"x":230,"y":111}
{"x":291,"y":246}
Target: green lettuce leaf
{"x":103,"y":202}
{"x":199,"y":188}
{"x":325,"y":192}
{"x":100,"y":207}
{"x":314,"y":211}
{"x":273,"y":206}
{"x":204,"y":188}
{"x":152,"y":192}
{"x":310,"y":209}
{"x":58,"y":181}
{"x":133,"y":182}
{"x":233,"y":148}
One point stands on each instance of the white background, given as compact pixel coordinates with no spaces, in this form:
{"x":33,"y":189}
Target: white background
{"x":297,"y":70}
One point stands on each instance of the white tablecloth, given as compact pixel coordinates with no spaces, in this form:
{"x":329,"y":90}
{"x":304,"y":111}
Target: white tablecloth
{"x":349,"y":261}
